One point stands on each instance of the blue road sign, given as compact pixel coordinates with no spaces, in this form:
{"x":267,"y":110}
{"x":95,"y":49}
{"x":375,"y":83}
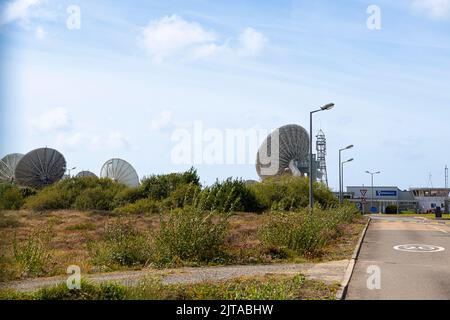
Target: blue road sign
{"x":386,"y":193}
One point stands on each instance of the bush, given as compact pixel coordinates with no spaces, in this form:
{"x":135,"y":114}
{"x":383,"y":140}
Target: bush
{"x":290,"y":193}
{"x":121,"y":245}
{"x":88,"y":291}
{"x":34,"y":255}
{"x":391,"y":209}
{"x":11,"y":197}
{"x":189,"y":235}
{"x":159,"y":187}
{"x":128,"y":195}
{"x":229,"y":195}
{"x":86,"y":193}
{"x":183,"y":195}
{"x":304,"y":233}
{"x":141,"y":207}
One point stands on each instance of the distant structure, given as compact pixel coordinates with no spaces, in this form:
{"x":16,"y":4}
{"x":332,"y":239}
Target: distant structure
{"x":8,"y":166}
{"x":121,"y":171}
{"x":321,"y":148}
{"x":40,"y":168}
{"x":446,"y":177}
{"x":291,"y":145}
{"x":83,"y":174}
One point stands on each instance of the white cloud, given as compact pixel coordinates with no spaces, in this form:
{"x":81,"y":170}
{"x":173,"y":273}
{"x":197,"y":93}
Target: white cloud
{"x":51,"y":120}
{"x":172,"y":34}
{"x":40,"y":33}
{"x":173,"y":37}
{"x":251,"y":42}
{"x":17,"y":10}
{"x":114,"y":140}
{"x":436,"y":9}
{"x":161,"y":121}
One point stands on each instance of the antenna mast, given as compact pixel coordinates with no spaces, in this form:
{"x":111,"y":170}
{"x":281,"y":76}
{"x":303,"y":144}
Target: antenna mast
{"x":446,"y":177}
{"x":321,"y":148}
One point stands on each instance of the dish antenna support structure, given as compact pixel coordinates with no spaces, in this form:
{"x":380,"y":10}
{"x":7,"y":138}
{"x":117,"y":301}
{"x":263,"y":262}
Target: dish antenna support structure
{"x":8,"y":166}
{"x":285,"y":150}
{"x":40,"y":168}
{"x":121,"y":171}
{"x":85,"y":173}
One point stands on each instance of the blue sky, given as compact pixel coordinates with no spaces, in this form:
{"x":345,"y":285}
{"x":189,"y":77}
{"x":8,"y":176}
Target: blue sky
{"x":136,"y":72}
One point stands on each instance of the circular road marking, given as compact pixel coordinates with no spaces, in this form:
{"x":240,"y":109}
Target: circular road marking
{"x":418,"y":248}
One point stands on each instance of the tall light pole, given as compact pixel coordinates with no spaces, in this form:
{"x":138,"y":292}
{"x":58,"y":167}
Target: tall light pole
{"x":342,"y":179}
{"x":341,"y":184}
{"x":371,"y":198}
{"x":71,"y":170}
{"x":311,"y":194}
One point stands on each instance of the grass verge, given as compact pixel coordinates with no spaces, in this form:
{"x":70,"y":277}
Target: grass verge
{"x":256,"y":288}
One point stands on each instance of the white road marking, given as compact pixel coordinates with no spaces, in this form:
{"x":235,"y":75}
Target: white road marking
{"x":439,"y":229}
{"x":418,"y":248}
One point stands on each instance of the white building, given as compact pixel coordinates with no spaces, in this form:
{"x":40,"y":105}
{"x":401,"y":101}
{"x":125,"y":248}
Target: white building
{"x":421,"y":200}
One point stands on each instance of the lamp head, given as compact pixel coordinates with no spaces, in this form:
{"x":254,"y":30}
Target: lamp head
{"x":328,"y":106}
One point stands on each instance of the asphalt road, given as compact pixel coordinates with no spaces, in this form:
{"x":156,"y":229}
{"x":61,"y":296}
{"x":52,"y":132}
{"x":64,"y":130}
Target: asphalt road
{"x":384,"y":273}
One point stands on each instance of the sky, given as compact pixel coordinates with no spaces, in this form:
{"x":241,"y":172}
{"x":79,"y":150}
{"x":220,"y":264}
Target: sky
{"x":147,"y":81}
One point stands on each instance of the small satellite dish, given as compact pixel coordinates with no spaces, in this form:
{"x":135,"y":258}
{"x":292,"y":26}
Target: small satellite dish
{"x":8,"y":165}
{"x":284,"y":150}
{"x":40,"y":168}
{"x":83,"y":174}
{"x":121,"y":171}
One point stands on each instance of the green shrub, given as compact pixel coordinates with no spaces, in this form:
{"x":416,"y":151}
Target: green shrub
{"x":86,"y":193}
{"x":11,"y":197}
{"x":128,"y":195}
{"x":159,"y":187}
{"x":82,"y":226}
{"x":33,"y":255}
{"x":304,"y":233}
{"x":88,"y":291}
{"x":97,"y":198}
{"x":391,"y":209}
{"x":189,"y":235}
{"x":121,"y":245}
{"x":290,"y":193}
{"x":229,"y":195}
{"x":183,"y":195}
{"x":141,"y":207}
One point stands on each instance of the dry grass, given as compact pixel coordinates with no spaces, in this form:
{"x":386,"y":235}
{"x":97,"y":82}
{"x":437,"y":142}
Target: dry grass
{"x":73,"y":230}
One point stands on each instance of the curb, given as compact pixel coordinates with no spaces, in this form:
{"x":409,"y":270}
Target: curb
{"x":342,"y":292}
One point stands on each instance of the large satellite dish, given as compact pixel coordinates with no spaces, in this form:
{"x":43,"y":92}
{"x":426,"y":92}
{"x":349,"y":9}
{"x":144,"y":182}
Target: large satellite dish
{"x":83,"y":174}
{"x":8,"y":165}
{"x":40,"y":167}
{"x":284,"y":150}
{"x":121,"y":171}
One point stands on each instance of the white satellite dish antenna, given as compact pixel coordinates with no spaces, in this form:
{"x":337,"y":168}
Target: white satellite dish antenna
{"x":121,"y":171}
{"x":8,"y":165}
{"x":83,"y":174}
{"x":292,"y":144}
{"x":40,"y":167}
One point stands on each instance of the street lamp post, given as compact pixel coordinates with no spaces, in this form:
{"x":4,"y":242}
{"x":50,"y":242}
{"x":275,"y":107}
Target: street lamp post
{"x":342,"y":179}
{"x":341,"y":184}
{"x":71,"y":170}
{"x":371,"y":197}
{"x":311,"y":194}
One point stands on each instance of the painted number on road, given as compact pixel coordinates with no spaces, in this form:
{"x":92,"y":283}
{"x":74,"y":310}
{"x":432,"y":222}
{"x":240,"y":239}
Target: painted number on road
{"x":419,"y":248}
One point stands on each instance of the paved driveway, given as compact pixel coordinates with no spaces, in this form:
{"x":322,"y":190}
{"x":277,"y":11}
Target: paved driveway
{"x":420,"y":270}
